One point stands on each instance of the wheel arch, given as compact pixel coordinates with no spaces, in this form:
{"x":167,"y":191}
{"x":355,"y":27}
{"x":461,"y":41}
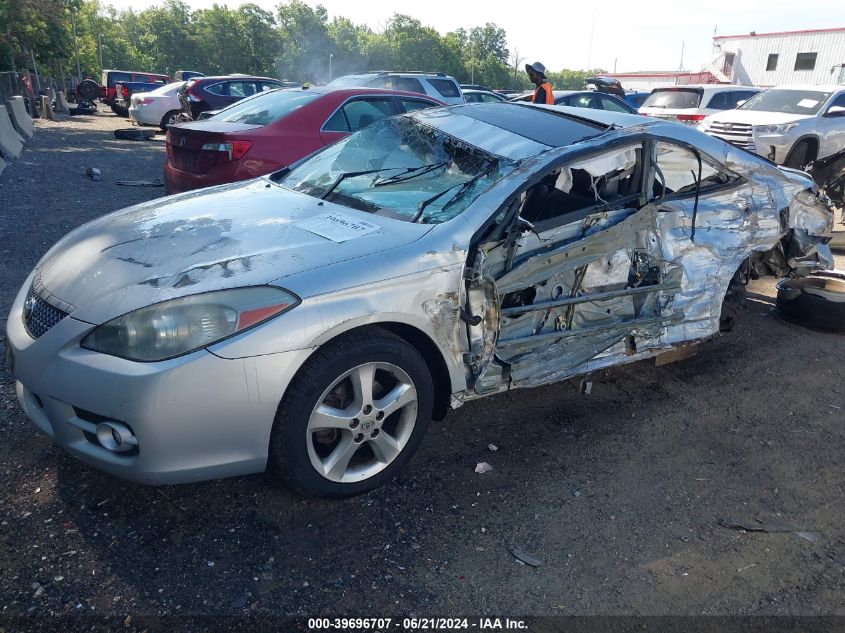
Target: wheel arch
{"x":814,"y":142}
{"x":446,"y":378}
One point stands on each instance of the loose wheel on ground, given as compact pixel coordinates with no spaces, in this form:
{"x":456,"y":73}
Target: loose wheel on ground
{"x":816,"y":301}
{"x":353,"y":416}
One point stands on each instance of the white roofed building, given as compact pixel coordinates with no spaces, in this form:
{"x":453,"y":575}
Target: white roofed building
{"x":773,"y":59}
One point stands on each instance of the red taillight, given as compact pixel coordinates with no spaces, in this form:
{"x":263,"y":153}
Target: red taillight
{"x":193,"y":96}
{"x":124,"y":91}
{"x":691,"y":118}
{"x":225,"y":152}
{"x":145,"y":101}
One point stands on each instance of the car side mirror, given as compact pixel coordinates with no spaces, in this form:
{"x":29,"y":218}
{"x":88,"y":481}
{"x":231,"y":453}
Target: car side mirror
{"x":836,"y":111}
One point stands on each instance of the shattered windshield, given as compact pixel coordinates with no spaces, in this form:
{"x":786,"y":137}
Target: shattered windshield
{"x":400,"y":168}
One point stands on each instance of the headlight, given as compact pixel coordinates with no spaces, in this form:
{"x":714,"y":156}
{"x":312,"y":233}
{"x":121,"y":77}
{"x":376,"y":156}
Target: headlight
{"x":781,"y":128}
{"x":173,"y":328}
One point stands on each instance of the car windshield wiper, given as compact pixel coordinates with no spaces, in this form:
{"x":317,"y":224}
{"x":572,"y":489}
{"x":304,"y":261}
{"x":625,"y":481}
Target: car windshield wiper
{"x":353,"y":174}
{"x":464,"y":187}
{"x":413,"y":171}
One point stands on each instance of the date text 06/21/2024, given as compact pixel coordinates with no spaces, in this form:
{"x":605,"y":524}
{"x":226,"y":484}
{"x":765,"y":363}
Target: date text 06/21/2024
{"x":416,"y":624}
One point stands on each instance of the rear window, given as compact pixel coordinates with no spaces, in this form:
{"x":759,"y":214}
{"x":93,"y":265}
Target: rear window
{"x":115,"y":77}
{"x":674,"y":99}
{"x":408,"y":84}
{"x":446,"y":87}
{"x":264,"y":109}
{"x":348,"y":81}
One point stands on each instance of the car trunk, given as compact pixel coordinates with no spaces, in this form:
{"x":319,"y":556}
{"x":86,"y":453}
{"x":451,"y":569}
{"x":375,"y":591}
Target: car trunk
{"x":186,"y":143}
{"x":674,"y":104}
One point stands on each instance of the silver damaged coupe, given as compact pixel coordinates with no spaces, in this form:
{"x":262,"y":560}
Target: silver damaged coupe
{"x":313,"y":321}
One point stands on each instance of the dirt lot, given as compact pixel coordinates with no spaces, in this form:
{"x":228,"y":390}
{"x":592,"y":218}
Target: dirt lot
{"x":622,"y":494}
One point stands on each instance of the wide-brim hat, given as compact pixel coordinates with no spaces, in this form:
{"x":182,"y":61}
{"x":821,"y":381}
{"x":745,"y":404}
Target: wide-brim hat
{"x":537,"y":67}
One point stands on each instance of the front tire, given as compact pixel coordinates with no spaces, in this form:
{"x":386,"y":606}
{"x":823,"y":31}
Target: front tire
{"x":353,"y":415}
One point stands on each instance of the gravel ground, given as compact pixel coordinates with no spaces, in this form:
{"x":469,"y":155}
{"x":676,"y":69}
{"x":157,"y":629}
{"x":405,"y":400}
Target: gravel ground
{"x":621,"y":494}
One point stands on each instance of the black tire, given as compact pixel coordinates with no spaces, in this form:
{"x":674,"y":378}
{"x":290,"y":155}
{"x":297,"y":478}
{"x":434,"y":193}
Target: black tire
{"x":121,"y":112}
{"x":170,"y":118}
{"x":134,"y":134}
{"x":88,"y":89}
{"x":289,"y":459}
{"x":816,"y":301}
{"x":799,"y":156}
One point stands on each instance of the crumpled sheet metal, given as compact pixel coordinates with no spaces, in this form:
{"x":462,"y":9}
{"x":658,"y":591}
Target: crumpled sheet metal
{"x":807,"y":215}
{"x":752,"y":218}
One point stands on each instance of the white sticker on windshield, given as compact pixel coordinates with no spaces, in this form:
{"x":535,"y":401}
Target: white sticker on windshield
{"x":338,"y":227}
{"x":807,"y":103}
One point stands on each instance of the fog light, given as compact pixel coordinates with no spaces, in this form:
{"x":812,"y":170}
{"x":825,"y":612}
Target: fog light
{"x":116,"y":437}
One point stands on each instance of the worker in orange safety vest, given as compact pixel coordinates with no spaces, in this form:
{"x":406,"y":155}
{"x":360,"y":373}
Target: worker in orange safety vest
{"x":543,"y":91}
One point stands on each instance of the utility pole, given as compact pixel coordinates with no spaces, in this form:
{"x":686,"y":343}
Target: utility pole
{"x":681,"y":67}
{"x":101,"y":51}
{"x":76,"y":47}
{"x":330,"y":66}
{"x":592,"y":31}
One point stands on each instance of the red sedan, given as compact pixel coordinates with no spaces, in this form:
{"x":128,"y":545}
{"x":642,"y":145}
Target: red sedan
{"x":261,"y":134}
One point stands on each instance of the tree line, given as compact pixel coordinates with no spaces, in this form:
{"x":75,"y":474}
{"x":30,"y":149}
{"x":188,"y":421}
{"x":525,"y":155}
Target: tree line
{"x":297,"y":42}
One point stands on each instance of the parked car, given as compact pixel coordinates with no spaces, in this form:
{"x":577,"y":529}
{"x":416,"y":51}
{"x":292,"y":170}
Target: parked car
{"x":690,"y":104}
{"x":314,"y":320}
{"x":472,"y":95}
{"x":583,"y":99}
{"x":793,"y":125}
{"x":160,"y":107}
{"x":635,"y":98}
{"x":272,"y":130}
{"x":111,"y":77}
{"x":213,"y":93}
{"x":123,"y":91}
{"x":438,"y":86}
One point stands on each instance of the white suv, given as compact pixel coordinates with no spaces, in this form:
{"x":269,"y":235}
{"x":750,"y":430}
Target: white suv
{"x":790,"y":125}
{"x":691,"y":103}
{"x":438,"y":85}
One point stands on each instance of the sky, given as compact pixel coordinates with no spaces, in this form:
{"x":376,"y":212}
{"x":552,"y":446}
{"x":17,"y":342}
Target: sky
{"x":621,"y":35}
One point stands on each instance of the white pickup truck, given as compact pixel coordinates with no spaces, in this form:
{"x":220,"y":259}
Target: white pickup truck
{"x":790,"y":125}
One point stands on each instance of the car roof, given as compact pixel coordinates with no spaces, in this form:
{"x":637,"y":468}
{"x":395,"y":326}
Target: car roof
{"x":233,"y":78}
{"x":817,"y":88}
{"x":530,"y":122}
{"x":709,"y":87}
{"x":351,"y":91}
{"x":600,"y":117}
{"x":134,"y":72}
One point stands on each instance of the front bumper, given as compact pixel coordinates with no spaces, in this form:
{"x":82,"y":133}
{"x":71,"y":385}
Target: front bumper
{"x":196,"y":417}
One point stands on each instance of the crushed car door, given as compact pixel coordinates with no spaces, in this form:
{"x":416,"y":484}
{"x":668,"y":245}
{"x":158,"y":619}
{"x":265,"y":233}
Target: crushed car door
{"x":578,"y":282}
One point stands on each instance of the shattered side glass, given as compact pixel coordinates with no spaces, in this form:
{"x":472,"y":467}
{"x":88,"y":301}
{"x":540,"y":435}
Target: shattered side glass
{"x":401,"y":168}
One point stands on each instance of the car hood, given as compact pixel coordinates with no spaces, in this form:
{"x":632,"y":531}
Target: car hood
{"x":229,"y":236}
{"x":756,"y":117}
